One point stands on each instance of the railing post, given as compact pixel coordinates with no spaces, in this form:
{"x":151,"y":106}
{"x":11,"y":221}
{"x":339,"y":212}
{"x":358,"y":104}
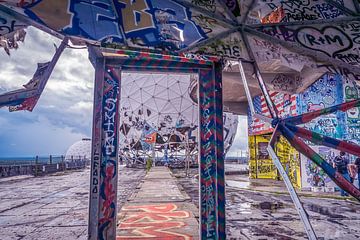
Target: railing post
{"x":36,"y":166}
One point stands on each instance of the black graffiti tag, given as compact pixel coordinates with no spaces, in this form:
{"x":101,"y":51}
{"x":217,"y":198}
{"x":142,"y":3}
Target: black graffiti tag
{"x":329,"y":40}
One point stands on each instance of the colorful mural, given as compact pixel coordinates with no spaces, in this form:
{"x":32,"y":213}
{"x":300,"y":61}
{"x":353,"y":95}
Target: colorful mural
{"x":312,"y":175}
{"x":262,"y":166}
{"x":285,"y":104}
{"x":352,"y":92}
{"x":325,"y":92}
{"x":328,"y":91}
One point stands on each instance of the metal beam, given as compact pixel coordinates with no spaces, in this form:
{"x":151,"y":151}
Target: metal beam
{"x":339,"y":20}
{"x":295,"y":47}
{"x":244,"y":17}
{"x":298,"y":206}
{"x":269,"y":102}
{"x":104,"y":152}
{"x":248,"y":96}
{"x":211,"y":155}
{"x":227,"y":10}
{"x":357,"y":5}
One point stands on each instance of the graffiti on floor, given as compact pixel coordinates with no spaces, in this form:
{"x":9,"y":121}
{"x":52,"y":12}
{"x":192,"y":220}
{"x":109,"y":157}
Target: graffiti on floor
{"x":153,"y":222}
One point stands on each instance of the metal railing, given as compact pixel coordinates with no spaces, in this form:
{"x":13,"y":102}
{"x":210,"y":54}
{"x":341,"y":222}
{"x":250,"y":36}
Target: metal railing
{"x":40,"y":166}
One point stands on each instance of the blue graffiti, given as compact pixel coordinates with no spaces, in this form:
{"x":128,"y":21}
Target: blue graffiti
{"x":160,"y":24}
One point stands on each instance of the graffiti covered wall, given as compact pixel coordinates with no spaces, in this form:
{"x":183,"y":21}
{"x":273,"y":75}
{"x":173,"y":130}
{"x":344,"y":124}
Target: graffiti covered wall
{"x":313,"y":176}
{"x":326,"y":92}
{"x":261,"y":165}
{"x":352,"y":92}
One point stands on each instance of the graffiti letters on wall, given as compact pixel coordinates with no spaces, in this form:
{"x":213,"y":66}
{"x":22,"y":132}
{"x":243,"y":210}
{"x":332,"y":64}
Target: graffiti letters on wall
{"x":336,"y":41}
{"x":9,"y":24}
{"x":303,"y":10}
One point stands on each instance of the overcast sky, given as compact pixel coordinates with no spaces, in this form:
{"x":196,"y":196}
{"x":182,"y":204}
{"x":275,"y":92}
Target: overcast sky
{"x":63,"y":114}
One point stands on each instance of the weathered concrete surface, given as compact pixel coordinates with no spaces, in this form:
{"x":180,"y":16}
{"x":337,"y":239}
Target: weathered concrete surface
{"x":54,"y":206}
{"x":158,"y":210}
{"x":262,"y":209}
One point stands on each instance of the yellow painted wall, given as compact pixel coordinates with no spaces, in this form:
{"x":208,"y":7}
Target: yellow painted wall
{"x":261,"y":165}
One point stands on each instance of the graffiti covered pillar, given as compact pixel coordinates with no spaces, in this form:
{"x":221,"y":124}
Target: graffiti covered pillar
{"x":104,"y":159}
{"x":212,"y":190}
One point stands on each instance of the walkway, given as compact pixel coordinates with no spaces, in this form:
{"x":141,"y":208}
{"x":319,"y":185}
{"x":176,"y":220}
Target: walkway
{"x":158,"y":210}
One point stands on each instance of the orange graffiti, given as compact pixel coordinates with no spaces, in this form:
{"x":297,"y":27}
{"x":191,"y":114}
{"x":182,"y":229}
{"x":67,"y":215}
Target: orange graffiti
{"x":153,"y":221}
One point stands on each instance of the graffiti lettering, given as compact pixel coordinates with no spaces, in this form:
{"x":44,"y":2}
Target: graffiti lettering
{"x":95,"y":173}
{"x":329,"y":40}
{"x":109,"y":126}
{"x":135,"y":17}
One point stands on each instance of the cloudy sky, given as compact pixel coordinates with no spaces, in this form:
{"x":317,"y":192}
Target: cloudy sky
{"x":63,"y":114}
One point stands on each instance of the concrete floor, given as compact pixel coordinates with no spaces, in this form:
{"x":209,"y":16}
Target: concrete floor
{"x":158,"y":210}
{"x":56,"y":206}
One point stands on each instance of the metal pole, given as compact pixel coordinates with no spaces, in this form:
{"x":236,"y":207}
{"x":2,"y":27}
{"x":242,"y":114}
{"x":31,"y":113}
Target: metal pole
{"x":299,"y":207}
{"x":211,"y":155}
{"x":248,"y":95}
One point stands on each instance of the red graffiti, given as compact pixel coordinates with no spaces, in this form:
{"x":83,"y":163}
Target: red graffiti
{"x":153,"y":221}
{"x":107,"y":209}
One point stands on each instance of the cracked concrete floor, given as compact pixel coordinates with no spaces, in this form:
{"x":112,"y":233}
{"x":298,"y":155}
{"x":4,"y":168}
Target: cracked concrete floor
{"x":54,"y":206}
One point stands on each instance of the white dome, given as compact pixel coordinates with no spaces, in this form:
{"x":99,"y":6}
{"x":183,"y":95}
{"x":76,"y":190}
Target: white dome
{"x":79,"y":150}
{"x":163,"y":108}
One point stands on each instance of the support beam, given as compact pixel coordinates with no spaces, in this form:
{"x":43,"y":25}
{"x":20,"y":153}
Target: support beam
{"x":248,"y":96}
{"x":104,"y":159}
{"x":357,"y":5}
{"x":299,"y":207}
{"x":340,"y":20}
{"x":269,"y":102}
{"x":211,"y":154}
{"x":325,"y":140}
{"x":301,"y":146}
{"x":249,"y":8}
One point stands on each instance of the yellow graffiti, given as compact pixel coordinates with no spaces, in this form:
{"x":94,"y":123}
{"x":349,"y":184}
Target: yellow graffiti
{"x":135,"y":17}
{"x":261,"y":166}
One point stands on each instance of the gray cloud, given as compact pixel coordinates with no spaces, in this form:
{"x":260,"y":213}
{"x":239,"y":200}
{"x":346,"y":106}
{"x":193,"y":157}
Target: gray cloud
{"x":64,"y":111}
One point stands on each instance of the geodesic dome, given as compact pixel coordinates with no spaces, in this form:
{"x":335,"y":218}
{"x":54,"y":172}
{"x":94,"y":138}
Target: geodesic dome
{"x":79,"y":150}
{"x":159,"y":118}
